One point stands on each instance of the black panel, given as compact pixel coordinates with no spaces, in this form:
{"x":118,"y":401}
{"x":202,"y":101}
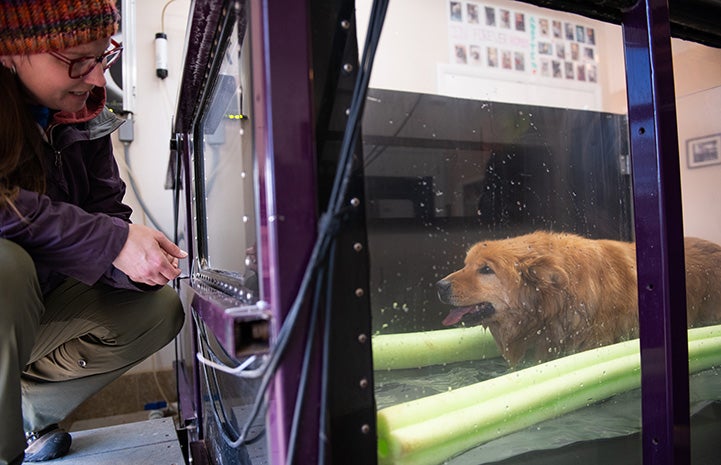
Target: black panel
{"x":695,"y":20}
{"x":350,"y":419}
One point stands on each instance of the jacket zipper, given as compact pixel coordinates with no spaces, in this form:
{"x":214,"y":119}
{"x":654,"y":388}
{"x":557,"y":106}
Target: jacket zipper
{"x":58,"y":158}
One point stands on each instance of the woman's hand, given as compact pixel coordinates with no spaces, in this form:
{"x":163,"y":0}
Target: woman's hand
{"x":148,"y":256}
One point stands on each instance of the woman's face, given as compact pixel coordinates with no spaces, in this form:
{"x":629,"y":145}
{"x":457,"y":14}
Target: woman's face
{"x":47,"y":80}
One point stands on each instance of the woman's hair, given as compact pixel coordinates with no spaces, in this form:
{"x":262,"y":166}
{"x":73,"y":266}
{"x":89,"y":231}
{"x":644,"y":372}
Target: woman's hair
{"x":20,"y":142}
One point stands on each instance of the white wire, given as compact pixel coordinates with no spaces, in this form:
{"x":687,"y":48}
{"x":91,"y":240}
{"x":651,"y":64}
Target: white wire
{"x":240,"y":371}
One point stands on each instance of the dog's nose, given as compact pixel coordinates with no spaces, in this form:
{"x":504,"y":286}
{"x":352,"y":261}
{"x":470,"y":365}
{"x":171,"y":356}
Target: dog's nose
{"x":444,"y":289}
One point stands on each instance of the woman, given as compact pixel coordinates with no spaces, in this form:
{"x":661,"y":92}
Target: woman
{"x":82,"y":291}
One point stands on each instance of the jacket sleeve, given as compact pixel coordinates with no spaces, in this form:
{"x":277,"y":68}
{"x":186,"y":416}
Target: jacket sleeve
{"x":63,"y":237}
{"x":107,"y":191}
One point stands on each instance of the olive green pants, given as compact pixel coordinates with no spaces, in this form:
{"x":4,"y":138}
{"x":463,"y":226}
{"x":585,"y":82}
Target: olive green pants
{"x":57,"y":351}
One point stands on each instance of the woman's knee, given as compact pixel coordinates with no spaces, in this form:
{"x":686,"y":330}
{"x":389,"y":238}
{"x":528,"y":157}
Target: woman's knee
{"x":20,"y":294}
{"x":16,"y":266}
{"x":166,"y":311}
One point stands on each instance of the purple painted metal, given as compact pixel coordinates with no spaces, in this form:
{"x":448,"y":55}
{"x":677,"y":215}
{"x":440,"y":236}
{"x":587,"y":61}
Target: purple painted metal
{"x":217,"y":312}
{"x":659,"y":234}
{"x":190,"y":396}
{"x":283,"y":143}
{"x":282,"y":109}
{"x":199,"y":453}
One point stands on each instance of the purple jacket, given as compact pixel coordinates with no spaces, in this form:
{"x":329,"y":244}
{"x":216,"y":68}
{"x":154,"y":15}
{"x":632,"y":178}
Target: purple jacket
{"x":78,"y":227}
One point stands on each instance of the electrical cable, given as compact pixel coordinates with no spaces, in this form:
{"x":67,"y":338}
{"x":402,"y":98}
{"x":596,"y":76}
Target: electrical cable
{"x":227,"y":431}
{"x":212,"y":387}
{"x":162,"y":15}
{"x":226,"y":427}
{"x":378,"y":150}
{"x":323,"y":276}
{"x":323,"y":435}
{"x":136,"y":190}
{"x":161,"y":390}
{"x":240,"y":371}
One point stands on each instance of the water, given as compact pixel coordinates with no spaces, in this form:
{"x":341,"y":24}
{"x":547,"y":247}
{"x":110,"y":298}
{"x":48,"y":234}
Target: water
{"x":609,"y":428}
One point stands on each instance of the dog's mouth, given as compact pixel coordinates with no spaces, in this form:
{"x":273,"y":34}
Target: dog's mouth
{"x":470,"y":316}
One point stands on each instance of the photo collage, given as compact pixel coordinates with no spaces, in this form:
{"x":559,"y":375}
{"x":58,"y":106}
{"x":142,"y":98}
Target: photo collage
{"x":507,"y":40}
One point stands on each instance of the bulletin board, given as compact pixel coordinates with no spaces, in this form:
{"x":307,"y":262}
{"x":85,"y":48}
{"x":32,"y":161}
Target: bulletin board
{"x":501,"y":46}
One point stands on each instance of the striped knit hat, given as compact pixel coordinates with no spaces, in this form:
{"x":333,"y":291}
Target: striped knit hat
{"x":38,"y":26}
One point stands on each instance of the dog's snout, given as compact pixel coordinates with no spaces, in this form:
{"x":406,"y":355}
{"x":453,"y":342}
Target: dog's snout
{"x":443,"y":288}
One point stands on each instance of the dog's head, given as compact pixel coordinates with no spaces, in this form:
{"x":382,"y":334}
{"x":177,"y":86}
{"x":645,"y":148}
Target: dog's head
{"x":511,"y":286}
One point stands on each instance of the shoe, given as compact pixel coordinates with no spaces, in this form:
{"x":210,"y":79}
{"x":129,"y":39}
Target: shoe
{"x":48,"y":444}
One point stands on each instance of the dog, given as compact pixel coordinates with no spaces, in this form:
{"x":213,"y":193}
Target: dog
{"x":544,"y":295}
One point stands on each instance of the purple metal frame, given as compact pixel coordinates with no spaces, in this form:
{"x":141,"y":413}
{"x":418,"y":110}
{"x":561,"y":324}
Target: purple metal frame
{"x":189,"y":395}
{"x":659,"y":234}
{"x":288,"y":212}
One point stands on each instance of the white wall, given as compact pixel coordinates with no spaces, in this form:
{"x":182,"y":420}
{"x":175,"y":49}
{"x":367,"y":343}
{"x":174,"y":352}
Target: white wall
{"x":415,"y":45}
{"x":415,"y":54}
{"x":698,"y":105}
{"x":155,"y":102}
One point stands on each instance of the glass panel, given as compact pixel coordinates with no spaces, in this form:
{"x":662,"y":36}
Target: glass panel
{"x":233,"y":413}
{"x":698,"y":95}
{"x":227,"y":167}
{"x":500,"y":121}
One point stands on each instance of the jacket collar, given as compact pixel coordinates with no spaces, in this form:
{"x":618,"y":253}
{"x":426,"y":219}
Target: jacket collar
{"x":93,"y":107}
{"x":93,"y":122}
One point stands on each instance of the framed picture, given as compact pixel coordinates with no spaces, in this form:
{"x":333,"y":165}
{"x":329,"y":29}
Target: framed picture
{"x":704,"y":151}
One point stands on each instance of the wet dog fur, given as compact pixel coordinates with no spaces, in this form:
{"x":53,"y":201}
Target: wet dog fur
{"x":544,"y":295}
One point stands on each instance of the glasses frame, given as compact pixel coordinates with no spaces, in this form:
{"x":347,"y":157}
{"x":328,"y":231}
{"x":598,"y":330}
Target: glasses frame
{"x":116,"y":49}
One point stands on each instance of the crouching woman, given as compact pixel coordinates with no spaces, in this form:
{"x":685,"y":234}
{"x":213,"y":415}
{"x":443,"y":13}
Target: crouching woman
{"x":83,"y":294}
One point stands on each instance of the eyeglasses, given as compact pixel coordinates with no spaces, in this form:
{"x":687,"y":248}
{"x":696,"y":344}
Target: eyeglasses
{"x":81,"y":67}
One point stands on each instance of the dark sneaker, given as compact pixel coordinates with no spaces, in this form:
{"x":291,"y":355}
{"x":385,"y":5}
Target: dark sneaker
{"x":48,"y":444}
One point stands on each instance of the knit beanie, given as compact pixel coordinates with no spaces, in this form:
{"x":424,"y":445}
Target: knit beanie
{"x":39,"y":26}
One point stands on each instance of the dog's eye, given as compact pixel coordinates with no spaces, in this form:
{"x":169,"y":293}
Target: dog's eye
{"x":485,"y":270}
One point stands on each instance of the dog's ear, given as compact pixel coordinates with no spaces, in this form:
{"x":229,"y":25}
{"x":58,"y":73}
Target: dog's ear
{"x":543,"y":285}
{"x":544,"y":272}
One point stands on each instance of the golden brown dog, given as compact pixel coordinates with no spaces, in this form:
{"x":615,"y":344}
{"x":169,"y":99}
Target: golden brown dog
{"x":544,"y":295}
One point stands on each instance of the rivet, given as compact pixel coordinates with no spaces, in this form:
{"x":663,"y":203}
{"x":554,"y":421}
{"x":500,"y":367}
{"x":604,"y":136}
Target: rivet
{"x":355,"y":201}
{"x":347,"y":67}
{"x":345,"y":24}
{"x":365,"y":429}
{"x":362,"y":338}
{"x":357,"y":246}
{"x":359,"y":292}
{"x":347,"y":111}
{"x":82,"y":363}
{"x":363,"y":383}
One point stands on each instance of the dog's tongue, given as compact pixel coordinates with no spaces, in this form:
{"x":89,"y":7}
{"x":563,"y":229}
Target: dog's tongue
{"x":456,"y":314}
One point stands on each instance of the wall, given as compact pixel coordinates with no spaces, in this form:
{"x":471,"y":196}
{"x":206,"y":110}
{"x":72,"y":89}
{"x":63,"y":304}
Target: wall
{"x":698,"y":99}
{"x":155,"y":102}
{"x":417,"y":55}
{"x":414,"y":54}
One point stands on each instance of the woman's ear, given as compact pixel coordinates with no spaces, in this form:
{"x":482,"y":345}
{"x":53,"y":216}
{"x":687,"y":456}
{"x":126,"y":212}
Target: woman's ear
{"x":7,"y":63}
